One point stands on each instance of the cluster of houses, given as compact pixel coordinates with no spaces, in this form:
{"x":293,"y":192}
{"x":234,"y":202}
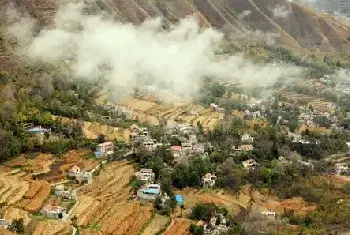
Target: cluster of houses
{"x":150,"y":191}
{"x":216,"y":225}
{"x":141,"y":135}
{"x":65,"y":193}
{"x":120,"y":111}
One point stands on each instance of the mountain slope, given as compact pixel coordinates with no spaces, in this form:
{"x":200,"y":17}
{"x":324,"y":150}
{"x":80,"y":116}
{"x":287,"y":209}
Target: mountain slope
{"x":294,"y":25}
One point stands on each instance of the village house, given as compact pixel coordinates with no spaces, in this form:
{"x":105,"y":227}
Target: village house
{"x":4,"y":223}
{"x":199,"y":149}
{"x":146,"y":175}
{"x":247,"y":138}
{"x":64,"y":193}
{"x":104,"y":149}
{"x":84,"y":177}
{"x":186,"y":147}
{"x":38,"y":132}
{"x":244,"y":148}
{"x":149,"y":192}
{"x":214,"y":228}
{"x":138,"y":134}
{"x":208,"y":180}
{"x":296,"y":138}
{"x":216,"y":108}
{"x":176,"y":150}
{"x":79,"y":175}
{"x":250,"y":164}
{"x":269,"y":214}
{"x":341,"y":168}
{"x":55,"y":212}
{"x":305,"y":163}
{"x":74,"y":171}
{"x":192,"y":139}
{"x":284,"y":161}
{"x":151,"y":144}
{"x":184,"y":129}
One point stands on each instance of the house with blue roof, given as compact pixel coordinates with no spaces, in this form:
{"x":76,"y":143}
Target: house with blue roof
{"x":149,"y":192}
{"x":179,"y":199}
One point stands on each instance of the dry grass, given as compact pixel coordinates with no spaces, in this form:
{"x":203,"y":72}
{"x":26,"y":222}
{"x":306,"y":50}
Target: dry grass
{"x":157,"y":223}
{"x":179,"y":226}
{"x":35,"y":197}
{"x":51,"y":227}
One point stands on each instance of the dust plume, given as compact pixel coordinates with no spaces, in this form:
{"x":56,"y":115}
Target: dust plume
{"x":281,"y":11}
{"x":96,"y":47}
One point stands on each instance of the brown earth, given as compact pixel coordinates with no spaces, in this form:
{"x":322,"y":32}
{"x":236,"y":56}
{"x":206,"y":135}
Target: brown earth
{"x":33,"y":200}
{"x":51,"y":227}
{"x":157,"y":223}
{"x":15,"y":213}
{"x":179,"y":226}
{"x":5,"y":232}
{"x":58,"y":169}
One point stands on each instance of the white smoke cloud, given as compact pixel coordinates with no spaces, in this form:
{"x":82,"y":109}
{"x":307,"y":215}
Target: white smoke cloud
{"x":244,"y":14}
{"x":123,"y":53}
{"x":281,"y":11}
{"x":21,"y":24}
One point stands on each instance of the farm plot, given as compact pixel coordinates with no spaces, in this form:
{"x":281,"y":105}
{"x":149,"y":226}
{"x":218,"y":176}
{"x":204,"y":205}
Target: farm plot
{"x":156,"y":224}
{"x":152,"y":112}
{"x":59,"y":169}
{"x":92,"y":130}
{"x":179,"y":226}
{"x":48,"y":227}
{"x":103,"y":207}
{"x":40,"y":164}
{"x":12,"y":188}
{"x":11,"y":213}
{"x":34,"y":198}
{"x":236,"y":204}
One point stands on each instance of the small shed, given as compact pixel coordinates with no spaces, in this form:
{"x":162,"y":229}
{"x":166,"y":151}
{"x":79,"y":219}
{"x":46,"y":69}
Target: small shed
{"x":179,"y":199}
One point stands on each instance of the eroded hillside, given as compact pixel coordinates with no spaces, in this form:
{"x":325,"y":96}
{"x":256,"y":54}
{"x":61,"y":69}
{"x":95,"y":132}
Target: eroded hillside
{"x":291,"y":24}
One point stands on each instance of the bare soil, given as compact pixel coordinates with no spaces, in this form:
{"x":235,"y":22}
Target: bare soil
{"x":157,"y":223}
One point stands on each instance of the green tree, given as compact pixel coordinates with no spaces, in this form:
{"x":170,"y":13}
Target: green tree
{"x":204,"y":211}
{"x":17,"y":226}
{"x":196,"y":230}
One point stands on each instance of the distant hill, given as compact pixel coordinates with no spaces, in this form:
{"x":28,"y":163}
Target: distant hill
{"x":295,"y":25}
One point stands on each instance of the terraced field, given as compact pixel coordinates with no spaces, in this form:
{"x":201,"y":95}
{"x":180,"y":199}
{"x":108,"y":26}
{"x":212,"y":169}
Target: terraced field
{"x":179,"y":226}
{"x":104,"y":204}
{"x":92,"y":130}
{"x":34,"y":198}
{"x":51,"y":227}
{"x":318,"y":104}
{"x":183,"y":112}
{"x":12,"y":188}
